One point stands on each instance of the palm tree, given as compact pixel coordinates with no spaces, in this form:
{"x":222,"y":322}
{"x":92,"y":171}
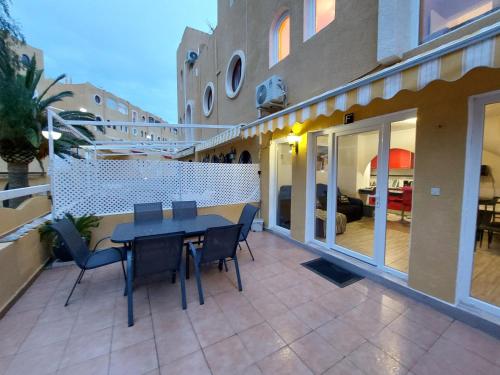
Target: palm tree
{"x":22,"y":113}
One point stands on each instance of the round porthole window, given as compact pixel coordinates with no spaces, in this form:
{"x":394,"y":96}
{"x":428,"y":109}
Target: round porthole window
{"x":235,"y":74}
{"x":208,"y":99}
{"x":97,"y":99}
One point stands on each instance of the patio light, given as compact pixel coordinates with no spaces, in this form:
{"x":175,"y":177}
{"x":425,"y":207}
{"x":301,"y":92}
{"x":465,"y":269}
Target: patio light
{"x":55,"y":134}
{"x":293,"y":140}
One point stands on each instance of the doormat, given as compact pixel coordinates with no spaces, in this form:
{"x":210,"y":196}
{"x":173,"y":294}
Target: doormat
{"x":333,"y":273}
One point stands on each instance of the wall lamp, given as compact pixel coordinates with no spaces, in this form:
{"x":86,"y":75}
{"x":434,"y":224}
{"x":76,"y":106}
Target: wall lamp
{"x":293,"y":141}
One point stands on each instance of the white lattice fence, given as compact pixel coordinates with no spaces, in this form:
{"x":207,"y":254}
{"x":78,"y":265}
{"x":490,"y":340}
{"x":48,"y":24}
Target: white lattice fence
{"x":106,"y":187}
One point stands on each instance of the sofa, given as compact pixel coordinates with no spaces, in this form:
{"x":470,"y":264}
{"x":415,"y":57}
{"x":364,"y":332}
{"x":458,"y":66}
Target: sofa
{"x":352,"y":208}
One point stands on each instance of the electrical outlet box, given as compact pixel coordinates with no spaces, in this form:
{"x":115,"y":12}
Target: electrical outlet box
{"x":436,"y":191}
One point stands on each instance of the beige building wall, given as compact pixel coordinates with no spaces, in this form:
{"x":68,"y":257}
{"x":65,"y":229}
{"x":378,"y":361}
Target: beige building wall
{"x":345,"y":50}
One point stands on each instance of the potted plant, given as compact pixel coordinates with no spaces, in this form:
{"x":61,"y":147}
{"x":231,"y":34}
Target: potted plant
{"x":84,"y":224}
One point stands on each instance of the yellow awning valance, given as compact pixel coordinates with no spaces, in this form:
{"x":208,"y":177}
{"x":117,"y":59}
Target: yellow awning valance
{"x":448,"y":62}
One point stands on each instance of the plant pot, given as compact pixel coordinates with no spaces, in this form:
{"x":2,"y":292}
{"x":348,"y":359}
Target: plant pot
{"x":61,"y":253}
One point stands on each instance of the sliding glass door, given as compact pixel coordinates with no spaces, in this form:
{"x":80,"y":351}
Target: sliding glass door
{"x":479,"y":271}
{"x":367,"y":213}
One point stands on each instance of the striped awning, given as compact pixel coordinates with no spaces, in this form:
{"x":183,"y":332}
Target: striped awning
{"x":220,"y":138}
{"x":448,"y":62}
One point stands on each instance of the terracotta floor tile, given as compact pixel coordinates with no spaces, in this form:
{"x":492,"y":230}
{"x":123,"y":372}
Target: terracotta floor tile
{"x":213,"y":328}
{"x":474,"y":340}
{"x":165,"y":322}
{"x":363,"y":323}
{"x":343,"y":337}
{"x":261,"y":341}
{"x":428,"y":365}
{"x":289,"y":327}
{"x":243,"y":317}
{"x":47,"y":333}
{"x":339,"y":301}
{"x":313,"y":314}
{"x":95,"y":321}
{"x":283,"y":362}
{"x":455,"y":356}
{"x":5,"y":362}
{"x":344,"y":367}
{"x":228,"y":357}
{"x":176,"y":345}
{"x":94,"y":366}
{"x":316,"y":353}
{"x":414,"y":332}
{"x":398,"y":347}
{"x":39,"y":361}
{"x":136,"y":359}
{"x":124,"y":336}
{"x":374,"y":361}
{"x":429,"y":318}
{"x":269,"y":306}
{"x":192,"y":364}
{"x":376,"y":311}
{"x":86,"y":346}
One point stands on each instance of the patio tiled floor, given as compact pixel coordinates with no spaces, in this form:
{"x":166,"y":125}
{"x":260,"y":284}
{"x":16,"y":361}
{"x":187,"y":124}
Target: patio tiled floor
{"x":288,"y":320}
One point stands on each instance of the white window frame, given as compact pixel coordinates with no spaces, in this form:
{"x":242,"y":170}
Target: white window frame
{"x":310,"y":19}
{"x":207,"y":108}
{"x":274,"y":37}
{"x":231,"y":94}
{"x":273,"y":187}
{"x":473,"y":159}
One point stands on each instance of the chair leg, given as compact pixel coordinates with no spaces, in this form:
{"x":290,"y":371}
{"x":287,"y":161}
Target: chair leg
{"x":124,"y":273}
{"x":80,"y":276}
{"x":241,"y":249}
{"x":130,"y":275}
{"x":240,"y":288}
{"x":198,"y":282}
{"x":251,"y":254}
{"x":173,"y":277}
{"x":74,"y":286}
{"x":187,"y":263}
{"x":182,"y":276}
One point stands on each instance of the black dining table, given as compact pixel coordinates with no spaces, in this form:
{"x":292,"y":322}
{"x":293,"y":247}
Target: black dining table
{"x":125,"y":233}
{"x":196,"y":226}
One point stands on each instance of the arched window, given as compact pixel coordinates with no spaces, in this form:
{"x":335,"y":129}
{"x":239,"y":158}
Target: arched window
{"x":245,"y":158}
{"x":280,"y":38}
{"x":317,"y":15}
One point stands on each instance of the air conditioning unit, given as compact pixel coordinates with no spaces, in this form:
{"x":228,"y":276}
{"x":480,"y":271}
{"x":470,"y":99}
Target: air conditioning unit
{"x":191,"y":57}
{"x":271,"y":93}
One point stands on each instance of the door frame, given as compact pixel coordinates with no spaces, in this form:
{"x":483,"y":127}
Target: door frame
{"x":273,"y":186}
{"x":383,"y":124}
{"x":473,"y":159}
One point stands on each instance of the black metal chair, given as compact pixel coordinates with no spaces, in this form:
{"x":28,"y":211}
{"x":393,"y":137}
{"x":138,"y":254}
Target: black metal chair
{"x":246,"y":218}
{"x":184,"y":209}
{"x":84,"y":258}
{"x":148,"y":212}
{"x":219,"y":245}
{"x":152,"y":255}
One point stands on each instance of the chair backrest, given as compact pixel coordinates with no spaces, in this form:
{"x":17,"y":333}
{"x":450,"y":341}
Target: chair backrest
{"x":246,"y":218}
{"x":157,"y":254}
{"x":220,"y":242}
{"x":147,"y":212}
{"x":73,"y":241}
{"x":407,"y":196}
{"x":184,"y":209}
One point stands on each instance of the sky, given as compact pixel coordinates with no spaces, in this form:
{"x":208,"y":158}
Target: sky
{"x":127,"y":47}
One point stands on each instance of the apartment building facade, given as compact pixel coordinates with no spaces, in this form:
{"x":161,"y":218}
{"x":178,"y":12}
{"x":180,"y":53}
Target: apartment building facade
{"x":382,"y":153}
{"x":103,"y":104}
